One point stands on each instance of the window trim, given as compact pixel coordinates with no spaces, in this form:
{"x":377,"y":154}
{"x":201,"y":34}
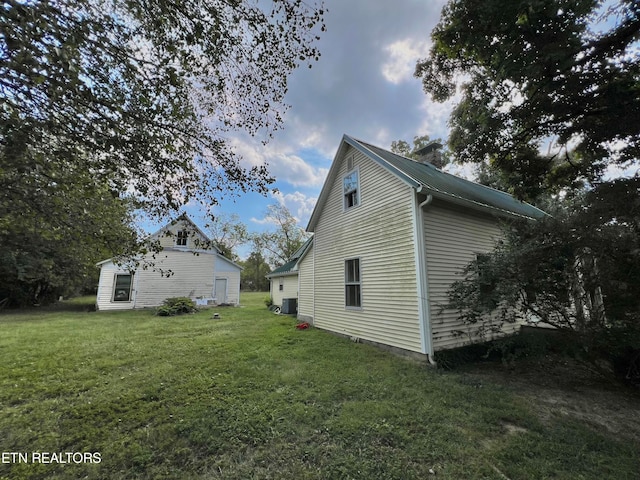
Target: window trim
{"x":345,"y":208}
{"x":350,"y":284}
{"x":281,"y":284}
{"x":115,"y":283}
{"x":182,"y":236}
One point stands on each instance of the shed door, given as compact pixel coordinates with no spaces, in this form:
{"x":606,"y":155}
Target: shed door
{"x":221,"y":290}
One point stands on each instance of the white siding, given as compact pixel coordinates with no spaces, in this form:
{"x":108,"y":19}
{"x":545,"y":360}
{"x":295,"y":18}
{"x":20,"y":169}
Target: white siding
{"x":104,"y":298}
{"x":193,"y":276}
{"x":225,"y":269}
{"x":289,"y":288}
{"x":305,"y":287}
{"x":167,"y":235}
{"x":453,"y":237}
{"x":380,"y":233}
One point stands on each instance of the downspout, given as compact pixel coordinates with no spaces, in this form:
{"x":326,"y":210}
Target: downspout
{"x":313,"y":281}
{"x":136,"y":278}
{"x":423,"y":280}
{"x":297,"y":292}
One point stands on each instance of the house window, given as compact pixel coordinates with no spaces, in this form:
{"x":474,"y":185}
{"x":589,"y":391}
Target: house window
{"x":351,"y":190}
{"x":122,"y":287}
{"x":281,"y":286}
{"x":181,"y":241}
{"x":352,"y":284}
{"x":486,"y":280}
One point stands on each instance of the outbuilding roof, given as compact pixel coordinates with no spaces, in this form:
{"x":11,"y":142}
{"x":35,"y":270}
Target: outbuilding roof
{"x":430,"y":180}
{"x":284,"y":269}
{"x":290,"y":268}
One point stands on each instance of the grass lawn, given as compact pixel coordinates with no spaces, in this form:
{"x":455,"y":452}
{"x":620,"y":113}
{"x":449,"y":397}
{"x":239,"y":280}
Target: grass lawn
{"x":249,"y":396}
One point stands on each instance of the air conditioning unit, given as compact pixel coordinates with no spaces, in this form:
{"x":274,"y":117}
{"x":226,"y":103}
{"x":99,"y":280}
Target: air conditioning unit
{"x":289,"y":306}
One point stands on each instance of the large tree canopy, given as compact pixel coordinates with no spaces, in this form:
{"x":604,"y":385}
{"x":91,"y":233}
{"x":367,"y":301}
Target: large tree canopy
{"x":280,"y":243}
{"x":141,"y":94}
{"x":561,"y":76}
{"x":549,"y":98}
{"x":102,"y":100}
{"x":46,"y":255}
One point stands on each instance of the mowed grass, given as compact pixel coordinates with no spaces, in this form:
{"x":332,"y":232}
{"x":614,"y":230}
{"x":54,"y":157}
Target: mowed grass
{"x":249,"y":396}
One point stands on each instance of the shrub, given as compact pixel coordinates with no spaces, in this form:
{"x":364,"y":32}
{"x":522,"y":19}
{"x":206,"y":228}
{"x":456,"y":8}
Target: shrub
{"x":268,"y":301}
{"x":176,"y":306}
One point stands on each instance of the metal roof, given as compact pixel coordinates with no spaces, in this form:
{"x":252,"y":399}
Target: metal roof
{"x":430,"y":180}
{"x":284,"y":269}
{"x":458,"y":190}
{"x":289,"y":268}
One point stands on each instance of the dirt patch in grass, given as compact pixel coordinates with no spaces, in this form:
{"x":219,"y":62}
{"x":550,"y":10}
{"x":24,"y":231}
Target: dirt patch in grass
{"x":557,"y":386}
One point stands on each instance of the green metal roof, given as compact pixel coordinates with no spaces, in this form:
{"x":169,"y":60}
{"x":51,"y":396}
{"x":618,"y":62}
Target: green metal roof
{"x":453,"y":188}
{"x":289,"y":267}
{"x":284,"y":269}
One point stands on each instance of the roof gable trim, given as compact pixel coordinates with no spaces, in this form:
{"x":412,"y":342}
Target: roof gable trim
{"x":382,"y":162}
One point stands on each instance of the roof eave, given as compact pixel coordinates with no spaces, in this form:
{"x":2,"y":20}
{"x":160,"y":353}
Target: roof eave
{"x":289,"y":273}
{"x":474,"y":205}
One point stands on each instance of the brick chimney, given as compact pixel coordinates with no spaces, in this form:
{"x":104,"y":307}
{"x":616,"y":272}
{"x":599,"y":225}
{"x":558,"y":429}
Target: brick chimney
{"x":430,"y":154}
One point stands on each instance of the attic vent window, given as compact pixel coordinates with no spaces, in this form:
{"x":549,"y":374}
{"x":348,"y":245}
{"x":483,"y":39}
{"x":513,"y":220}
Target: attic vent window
{"x":181,"y":241}
{"x":350,"y":163}
{"x":351,"y":188}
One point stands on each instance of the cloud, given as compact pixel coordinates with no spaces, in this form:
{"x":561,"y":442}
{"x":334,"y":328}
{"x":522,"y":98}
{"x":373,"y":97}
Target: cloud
{"x":299,"y":204}
{"x":465,"y":170}
{"x":435,"y":117}
{"x":363,"y":84}
{"x":294,"y":170}
{"x":402,"y":58}
{"x":282,"y":162}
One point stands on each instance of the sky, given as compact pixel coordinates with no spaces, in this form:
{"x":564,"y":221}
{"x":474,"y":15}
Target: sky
{"x":362,"y":85}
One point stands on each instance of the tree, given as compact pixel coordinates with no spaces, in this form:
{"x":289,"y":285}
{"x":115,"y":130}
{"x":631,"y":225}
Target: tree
{"x":228,"y":233}
{"x":127,"y":100}
{"x":560,"y":271}
{"x":141,"y":95}
{"x":253,"y":274}
{"x":546,"y":84}
{"x":44,"y":256}
{"x":280,"y":244}
{"x":539,"y":74}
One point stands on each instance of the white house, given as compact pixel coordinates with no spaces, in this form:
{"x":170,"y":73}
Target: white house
{"x":183,"y":268}
{"x":390,"y":236}
{"x":284,"y":281}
